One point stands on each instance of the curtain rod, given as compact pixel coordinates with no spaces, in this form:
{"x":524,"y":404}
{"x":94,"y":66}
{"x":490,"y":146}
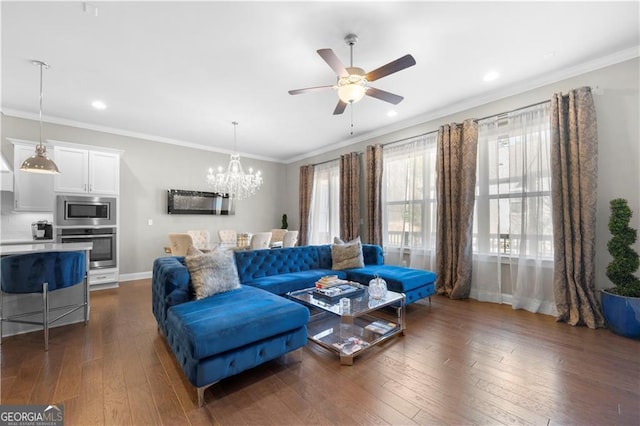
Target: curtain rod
{"x":513,"y":110}
{"x":408,"y":138}
{"x":383,"y":144}
{"x":324,"y":162}
{"x":334,"y":159}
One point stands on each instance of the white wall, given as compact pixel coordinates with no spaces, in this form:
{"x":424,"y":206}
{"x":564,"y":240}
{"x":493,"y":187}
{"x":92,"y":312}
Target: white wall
{"x":147,"y":170}
{"x":617,"y":108}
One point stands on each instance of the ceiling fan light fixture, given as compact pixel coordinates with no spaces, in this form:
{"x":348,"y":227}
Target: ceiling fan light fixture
{"x":352,"y":88}
{"x":351,"y":93}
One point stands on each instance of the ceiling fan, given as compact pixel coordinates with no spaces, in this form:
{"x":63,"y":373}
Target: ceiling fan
{"x":352,"y":81}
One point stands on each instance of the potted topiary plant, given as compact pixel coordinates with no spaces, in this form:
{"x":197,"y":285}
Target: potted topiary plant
{"x":621,"y":304}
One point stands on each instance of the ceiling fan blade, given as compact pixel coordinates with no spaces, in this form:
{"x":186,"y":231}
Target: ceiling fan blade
{"x":384,"y":96}
{"x":398,"y":65}
{"x":309,"y":89}
{"x":333,"y":61}
{"x":340,"y":108}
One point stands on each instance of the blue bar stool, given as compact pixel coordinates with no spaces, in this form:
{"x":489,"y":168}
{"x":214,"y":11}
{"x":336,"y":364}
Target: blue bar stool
{"x":43,"y":273}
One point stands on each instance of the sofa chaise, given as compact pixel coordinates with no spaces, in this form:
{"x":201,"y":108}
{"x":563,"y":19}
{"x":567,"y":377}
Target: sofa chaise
{"x":226,"y":333}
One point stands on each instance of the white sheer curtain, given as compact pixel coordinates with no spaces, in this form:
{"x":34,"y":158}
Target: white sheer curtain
{"x":513,"y":245}
{"x":324,"y":214}
{"x":409,"y":202}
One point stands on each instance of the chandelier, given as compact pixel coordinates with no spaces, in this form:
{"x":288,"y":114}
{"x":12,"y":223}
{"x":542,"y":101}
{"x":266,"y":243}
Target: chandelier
{"x":39,"y":162}
{"x":234,"y":182}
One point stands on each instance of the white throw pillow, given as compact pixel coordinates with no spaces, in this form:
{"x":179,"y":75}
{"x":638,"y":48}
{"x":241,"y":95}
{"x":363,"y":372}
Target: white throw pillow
{"x":347,"y":255}
{"x":213,"y":272}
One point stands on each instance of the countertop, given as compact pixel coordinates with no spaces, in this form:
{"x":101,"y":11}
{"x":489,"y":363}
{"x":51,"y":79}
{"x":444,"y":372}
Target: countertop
{"x":33,"y":247}
{"x":12,"y":241}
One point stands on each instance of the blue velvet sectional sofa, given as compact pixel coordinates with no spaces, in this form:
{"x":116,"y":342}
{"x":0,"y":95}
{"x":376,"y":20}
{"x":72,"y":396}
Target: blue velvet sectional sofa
{"x":224,"y":334}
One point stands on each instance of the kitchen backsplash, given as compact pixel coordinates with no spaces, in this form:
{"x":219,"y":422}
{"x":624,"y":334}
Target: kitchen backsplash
{"x":17,"y":225}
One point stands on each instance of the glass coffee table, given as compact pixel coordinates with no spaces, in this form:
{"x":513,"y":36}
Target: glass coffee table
{"x":351,"y":331}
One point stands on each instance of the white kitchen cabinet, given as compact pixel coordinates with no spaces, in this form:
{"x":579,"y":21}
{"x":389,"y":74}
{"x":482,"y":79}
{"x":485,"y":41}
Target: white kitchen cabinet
{"x":87,"y":171}
{"x":104,"y":172}
{"x":32,"y":192}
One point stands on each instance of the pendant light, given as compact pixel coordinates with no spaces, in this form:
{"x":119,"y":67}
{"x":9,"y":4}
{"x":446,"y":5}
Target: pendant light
{"x":39,"y":162}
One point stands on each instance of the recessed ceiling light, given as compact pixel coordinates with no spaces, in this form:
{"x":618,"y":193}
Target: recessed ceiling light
{"x":491,"y":75}
{"x":392,"y":113}
{"x":98,"y":105}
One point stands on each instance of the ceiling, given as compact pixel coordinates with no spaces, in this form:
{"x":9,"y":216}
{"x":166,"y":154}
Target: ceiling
{"x":181,"y":72}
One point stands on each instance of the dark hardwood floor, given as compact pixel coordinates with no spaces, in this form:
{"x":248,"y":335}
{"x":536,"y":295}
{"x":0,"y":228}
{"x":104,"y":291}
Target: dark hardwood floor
{"x":460,"y":362}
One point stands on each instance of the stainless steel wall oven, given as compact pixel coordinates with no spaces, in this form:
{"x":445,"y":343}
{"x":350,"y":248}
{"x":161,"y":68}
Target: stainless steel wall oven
{"x":103,"y":254}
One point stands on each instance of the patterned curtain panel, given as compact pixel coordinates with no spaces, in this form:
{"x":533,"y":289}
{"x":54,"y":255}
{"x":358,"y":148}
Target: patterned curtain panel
{"x":373,"y":187}
{"x":574,"y":165}
{"x":304,"y":202}
{"x":456,"y":183}
{"x":349,"y":196}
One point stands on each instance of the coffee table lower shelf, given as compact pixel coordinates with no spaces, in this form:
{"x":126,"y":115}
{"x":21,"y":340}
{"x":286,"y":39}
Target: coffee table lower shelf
{"x":348,"y":336}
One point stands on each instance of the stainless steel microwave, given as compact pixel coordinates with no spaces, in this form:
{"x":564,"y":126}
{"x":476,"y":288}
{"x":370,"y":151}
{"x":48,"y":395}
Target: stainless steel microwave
{"x":85,"y":211}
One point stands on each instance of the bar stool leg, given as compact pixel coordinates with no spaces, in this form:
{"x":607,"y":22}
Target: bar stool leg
{"x":1,"y":313}
{"x":45,"y":314}
{"x":86,"y":294}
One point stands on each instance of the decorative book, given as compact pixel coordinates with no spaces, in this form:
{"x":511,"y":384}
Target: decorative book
{"x":329,"y":281}
{"x":381,"y":327}
{"x":351,"y":345}
{"x":337,"y":292}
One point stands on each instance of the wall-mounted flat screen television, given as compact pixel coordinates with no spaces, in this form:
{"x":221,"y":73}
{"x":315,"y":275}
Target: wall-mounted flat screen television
{"x":198,"y":202}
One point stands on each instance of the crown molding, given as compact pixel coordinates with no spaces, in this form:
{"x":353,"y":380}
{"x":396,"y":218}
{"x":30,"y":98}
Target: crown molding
{"x":127,"y":133}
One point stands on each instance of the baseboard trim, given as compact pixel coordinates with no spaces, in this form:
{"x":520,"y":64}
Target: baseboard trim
{"x":135,"y":276}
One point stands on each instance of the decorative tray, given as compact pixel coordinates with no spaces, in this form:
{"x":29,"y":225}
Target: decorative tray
{"x":335,"y":293}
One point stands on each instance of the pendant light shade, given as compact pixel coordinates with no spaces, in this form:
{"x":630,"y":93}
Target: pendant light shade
{"x":39,"y":162}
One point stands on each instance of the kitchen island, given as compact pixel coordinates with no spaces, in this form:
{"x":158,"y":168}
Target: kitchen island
{"x":19,"y":303}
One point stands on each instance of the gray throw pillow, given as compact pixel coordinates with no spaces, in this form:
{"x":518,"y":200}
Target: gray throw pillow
{"x":347,"y":255}
{"x":212,"y":273}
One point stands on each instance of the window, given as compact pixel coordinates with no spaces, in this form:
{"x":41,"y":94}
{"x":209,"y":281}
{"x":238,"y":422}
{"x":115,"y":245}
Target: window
{"x":513,"y":187}
{"x":324,"y":214}
{"x":409,"y":200}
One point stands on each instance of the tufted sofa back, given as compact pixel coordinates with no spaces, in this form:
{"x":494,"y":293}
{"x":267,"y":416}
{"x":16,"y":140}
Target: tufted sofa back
{"x":256,"y":264}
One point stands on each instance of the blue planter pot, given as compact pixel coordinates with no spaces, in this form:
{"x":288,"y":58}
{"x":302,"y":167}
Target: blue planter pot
{"x":622,"y":314}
